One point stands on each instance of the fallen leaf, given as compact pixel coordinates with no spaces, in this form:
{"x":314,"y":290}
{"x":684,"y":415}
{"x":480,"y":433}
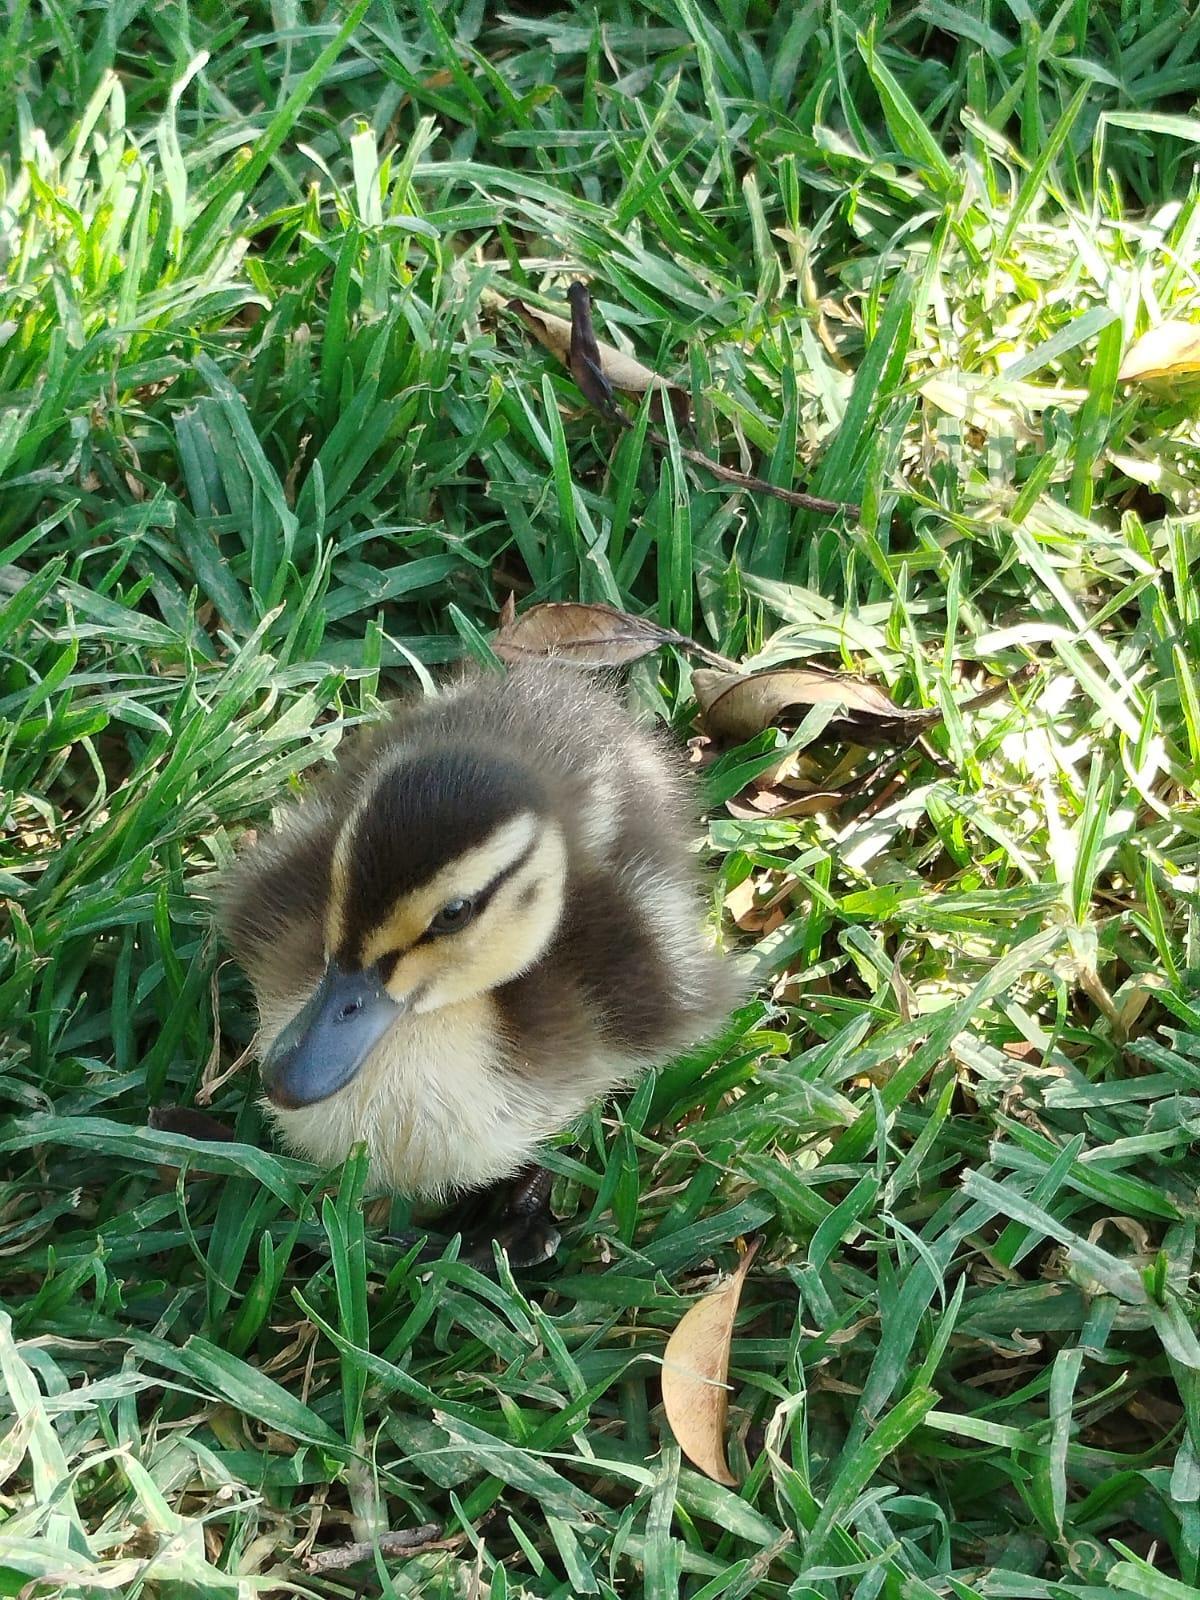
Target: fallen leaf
{"x":1022,"y":1050}
{"x":1133,"y":997}
{"x":616,"y":368}
{"x":970,"y":400}
{"x":736,"y":706}
{"x":782,"y":803}
{"x":595,"y":635}
{"x":1172,"y":350}
{"x":620,"y":371}
{"x":799,"y":771}
{"x":759,"y":905}
{"x":701,"y":751}
{"x":695,"y":1374}
{"x":742,"y":904}
{"x":584,"y":358}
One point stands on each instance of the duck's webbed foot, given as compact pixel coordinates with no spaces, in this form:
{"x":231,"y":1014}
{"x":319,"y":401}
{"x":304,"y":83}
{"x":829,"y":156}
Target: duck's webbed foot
{"x":520,"y":1221}
{"x":514,"y":1214}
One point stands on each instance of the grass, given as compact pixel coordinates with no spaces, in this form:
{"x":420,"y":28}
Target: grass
{"x":269,"y":446}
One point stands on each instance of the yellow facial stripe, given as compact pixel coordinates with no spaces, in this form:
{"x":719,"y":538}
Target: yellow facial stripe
{"x":464,"y":877}
{"x":339,"y":886}
{"x":512,"y":931}
{"x":470,"y":873}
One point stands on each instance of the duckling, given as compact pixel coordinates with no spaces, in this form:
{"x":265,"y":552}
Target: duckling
{"x":486,"y":920}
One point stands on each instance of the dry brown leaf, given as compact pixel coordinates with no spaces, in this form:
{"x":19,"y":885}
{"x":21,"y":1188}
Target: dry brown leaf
{"x":600,"y":368}
{"x":774,"y":802}
{"x":759,"y":905}
{"x":1172,"y":350}
{"x":594,"y":635}
{"x":742,"y":900}
{"x":737,"y":706}
{"x":584,"y":358}
{"x":1022,"y":1050}
{"x":695,"y":1371}
{"x":966,"y":397}
{"x":701,"y":752}
{"x":773,"y":919}
{"x":622,"y":371}
{"x":1134,"y":996}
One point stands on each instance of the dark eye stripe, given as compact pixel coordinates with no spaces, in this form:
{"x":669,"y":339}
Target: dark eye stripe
{"x":430,"y":801}
{"x":481,"y":900}
{"x":350,"y":953}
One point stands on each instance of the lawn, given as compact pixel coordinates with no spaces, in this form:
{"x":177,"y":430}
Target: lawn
{"x":274,"y":447}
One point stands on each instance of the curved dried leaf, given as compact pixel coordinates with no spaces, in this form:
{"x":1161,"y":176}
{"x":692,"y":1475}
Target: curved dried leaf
{"x":1172,"y":350}
{"x":584,"y":359}
{"x":695,"y":1371}
{"x":967,"y":398}
{"x":736,"y":706}
{"x":754,"y":803}
{"x":622,"y":371}
{"x":594,"y":635}
{"x":758,"y":904}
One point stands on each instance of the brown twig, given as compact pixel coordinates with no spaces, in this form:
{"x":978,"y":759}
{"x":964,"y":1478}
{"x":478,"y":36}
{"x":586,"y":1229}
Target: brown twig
{"x":986,"y":696}
{"x":404,"y":1541}
{"x":746,"y":480}
{"x":713,"y":657}
{"x":587,"y":369}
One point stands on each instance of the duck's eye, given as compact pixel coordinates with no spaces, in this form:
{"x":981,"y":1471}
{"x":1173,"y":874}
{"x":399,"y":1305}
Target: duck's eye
{"x":455,"y":914}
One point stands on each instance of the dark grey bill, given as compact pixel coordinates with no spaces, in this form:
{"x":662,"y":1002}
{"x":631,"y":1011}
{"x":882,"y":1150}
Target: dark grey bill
{"x":323,"y":1046}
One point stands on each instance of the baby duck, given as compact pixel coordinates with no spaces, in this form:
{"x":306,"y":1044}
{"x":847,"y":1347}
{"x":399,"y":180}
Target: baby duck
{"x":486,"y":919}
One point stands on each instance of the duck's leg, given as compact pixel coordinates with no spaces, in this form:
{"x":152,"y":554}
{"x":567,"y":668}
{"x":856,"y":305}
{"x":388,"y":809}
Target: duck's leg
{"x":521,"y":1223}
{"x":515,"y":1214}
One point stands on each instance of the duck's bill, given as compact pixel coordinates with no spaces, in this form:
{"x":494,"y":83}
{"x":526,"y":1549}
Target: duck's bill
{"x":325,"y":1044}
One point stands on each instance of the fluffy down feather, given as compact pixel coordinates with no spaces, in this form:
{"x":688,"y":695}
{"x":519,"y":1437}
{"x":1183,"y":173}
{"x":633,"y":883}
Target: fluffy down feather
{"x":587,"y":965}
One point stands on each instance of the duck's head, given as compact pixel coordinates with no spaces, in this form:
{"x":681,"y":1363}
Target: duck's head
{"x":447,"y":880}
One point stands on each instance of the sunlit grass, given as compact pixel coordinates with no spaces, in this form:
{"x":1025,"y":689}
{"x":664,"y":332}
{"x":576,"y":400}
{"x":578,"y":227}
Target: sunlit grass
{"x":268,"y":444}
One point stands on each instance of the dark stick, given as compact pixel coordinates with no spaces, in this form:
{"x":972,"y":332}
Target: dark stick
{"x":588,"y":371}
{"x":745,"y":480}
{"x":986,"y":696}
{"x":404,"y":1541}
